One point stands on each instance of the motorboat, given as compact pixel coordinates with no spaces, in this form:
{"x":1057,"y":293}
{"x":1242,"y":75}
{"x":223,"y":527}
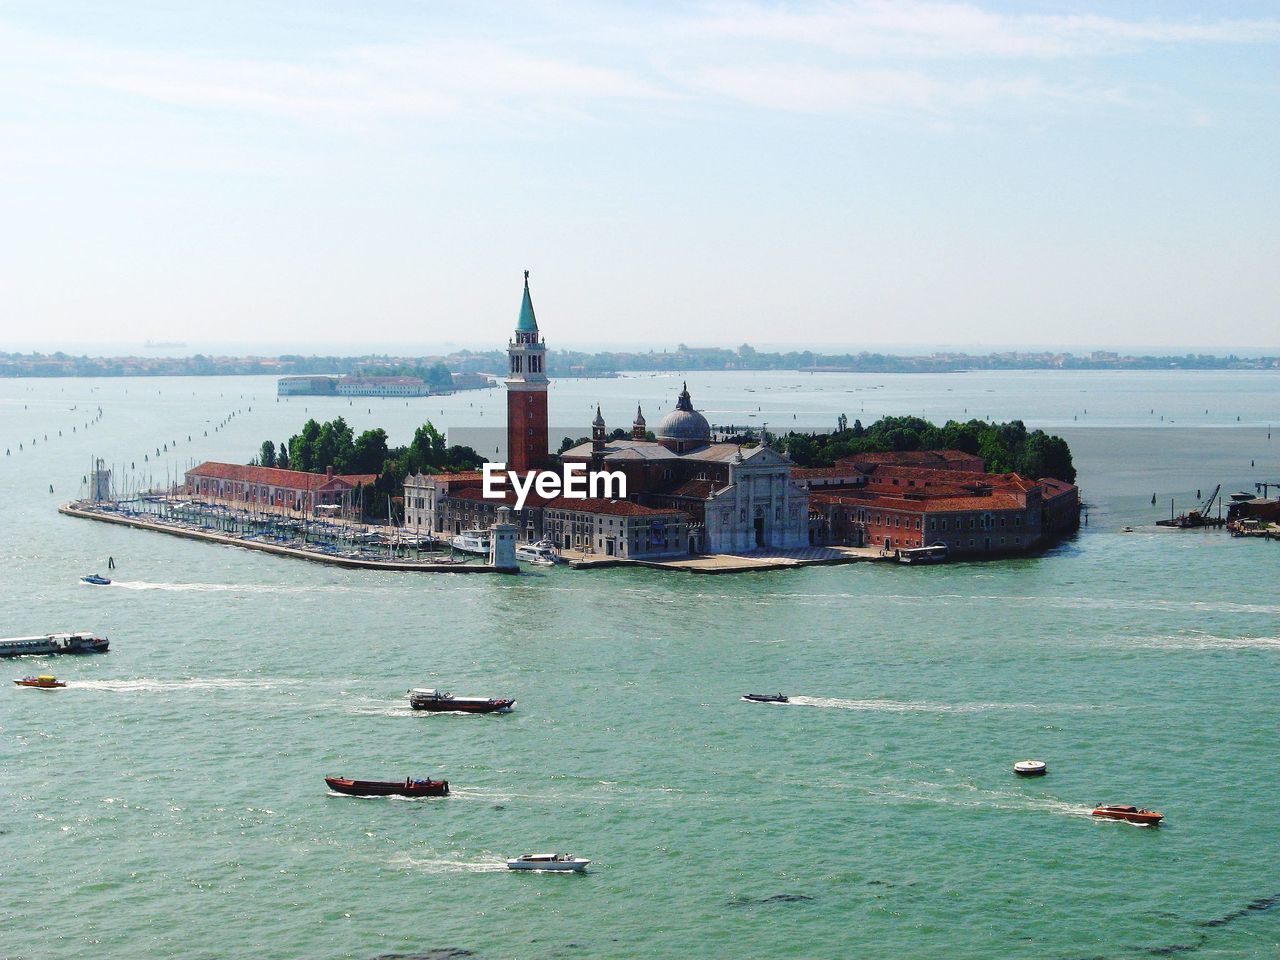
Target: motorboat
{"x":766,"y":697}
{"x":471,"y":541}
{"x":429,"y":698}
{"x":1126,"y":529}
{"x":1136,"y":815}
{"x":937,"y":553}
{"x":53,"y":643}
{"x":548,"y":861}
{"x":407,"y":787}
{"x":1031,"y":768}
{"x":97,"y":579}
{"x":542,"y":553}
{"x":42,"y":682}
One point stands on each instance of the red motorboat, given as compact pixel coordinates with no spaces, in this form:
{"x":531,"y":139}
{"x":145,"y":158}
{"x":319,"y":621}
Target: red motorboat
{"x":1131,"y":814}
{"x":407,"y":787}
{"x":42,"y":682}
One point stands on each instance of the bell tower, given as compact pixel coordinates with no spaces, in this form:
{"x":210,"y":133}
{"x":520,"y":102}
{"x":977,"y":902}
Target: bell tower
{"x":526,"y":392}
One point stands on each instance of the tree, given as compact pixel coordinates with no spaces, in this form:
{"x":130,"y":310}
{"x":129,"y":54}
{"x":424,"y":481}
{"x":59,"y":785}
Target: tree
{"x":842,"y":423}
{"x":370,"y":452}
{"x":268,"y":455}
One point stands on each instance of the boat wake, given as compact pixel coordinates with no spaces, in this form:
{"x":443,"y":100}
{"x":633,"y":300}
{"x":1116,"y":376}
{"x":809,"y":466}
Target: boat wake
{"x":440,"y":865}
{"x":907,"y":706}
{"x":382,"y":710}
{"x":220,"y":587}
{"x":1200,"y":641}
{"x":151,"y":685}
{"x":968,"y":795}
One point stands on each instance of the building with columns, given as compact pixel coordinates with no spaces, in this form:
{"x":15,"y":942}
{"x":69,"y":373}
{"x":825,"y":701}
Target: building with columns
{"x":738,"y":498}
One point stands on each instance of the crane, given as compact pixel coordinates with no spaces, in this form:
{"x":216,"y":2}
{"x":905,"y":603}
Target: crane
{"x":1265,"y":485}
{"x":1208,"y":504}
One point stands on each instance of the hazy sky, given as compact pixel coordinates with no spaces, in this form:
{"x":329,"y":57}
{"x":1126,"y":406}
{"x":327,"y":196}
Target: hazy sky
{"x":842,"y":172}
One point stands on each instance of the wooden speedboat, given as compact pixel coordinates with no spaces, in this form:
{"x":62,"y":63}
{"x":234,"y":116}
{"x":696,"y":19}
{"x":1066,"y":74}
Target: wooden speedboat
{"x":42,"y":682}
{"x":429,"y":698}
{"x":548,"y":861}
{"x":97,"y":579}
{"x":766,"y":697}
{"x":1030,"y":768}
{"x":1130,"y":814}
{"x":407,"y":787}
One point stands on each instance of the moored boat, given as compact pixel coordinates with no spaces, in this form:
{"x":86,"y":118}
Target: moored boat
{"x":96,"y":579}
{"x":388,"y":788}
{"x":548,"y":861}
{"x":429,"y":698}
{"x":42,"y":682}
{"x":1131,"y":814}
{"x":50,"y":643}
{"x":1030,"y":768}
{"x":766,"y":697}
{"x":543,"y":553}
{"x":937,"y":553}
{"x":472,"y":541}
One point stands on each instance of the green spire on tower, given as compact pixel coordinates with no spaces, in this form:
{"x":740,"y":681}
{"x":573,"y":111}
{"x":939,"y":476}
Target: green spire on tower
{"x":528,"y":322}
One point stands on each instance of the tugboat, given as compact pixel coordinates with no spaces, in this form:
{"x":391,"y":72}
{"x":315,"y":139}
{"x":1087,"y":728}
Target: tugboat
{"x":429,"y":698}
{"x":97,"y":579}
{"x":548,"y":861}
{"x":766,"y":697}
{"x":388,"y":788}
{"x":42,"y":682}
{"x":1142,"y":817}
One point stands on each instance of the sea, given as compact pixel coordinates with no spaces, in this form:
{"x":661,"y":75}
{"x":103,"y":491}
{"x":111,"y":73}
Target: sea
{"x":170,"y":802}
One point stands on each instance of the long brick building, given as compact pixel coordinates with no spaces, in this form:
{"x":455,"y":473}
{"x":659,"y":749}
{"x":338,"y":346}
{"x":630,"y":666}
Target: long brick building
{"x":888,"y":500}
{"x":270,"y":488}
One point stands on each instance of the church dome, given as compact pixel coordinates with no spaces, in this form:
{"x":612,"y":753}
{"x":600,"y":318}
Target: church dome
{"x":684,"y":424}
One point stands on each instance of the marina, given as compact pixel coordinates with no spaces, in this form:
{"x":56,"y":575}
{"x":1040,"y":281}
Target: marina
{"x":250,"y":533}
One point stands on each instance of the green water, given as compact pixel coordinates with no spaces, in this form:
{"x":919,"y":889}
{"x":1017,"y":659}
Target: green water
{"x":170,"y":803}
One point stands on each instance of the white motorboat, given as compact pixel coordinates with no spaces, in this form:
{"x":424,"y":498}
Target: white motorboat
{"x":542,"y":553}
{"x":472,"y":541}
{"x":548,"y":861}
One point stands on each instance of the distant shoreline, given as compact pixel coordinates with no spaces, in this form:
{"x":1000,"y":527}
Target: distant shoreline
{"x":575,"y":365}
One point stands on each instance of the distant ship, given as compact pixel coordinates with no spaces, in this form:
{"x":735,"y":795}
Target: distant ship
{"x":53,"y":643}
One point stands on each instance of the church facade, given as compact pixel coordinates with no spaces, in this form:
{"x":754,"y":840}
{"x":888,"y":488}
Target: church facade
{"x":738,"y":498}
{"x":686,"y":493}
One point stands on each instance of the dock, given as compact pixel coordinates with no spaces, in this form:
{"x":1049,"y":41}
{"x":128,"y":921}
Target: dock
{"x":88,"y":512}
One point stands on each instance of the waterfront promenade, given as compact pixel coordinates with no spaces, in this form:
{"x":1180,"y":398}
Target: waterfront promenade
{"x":758,"y":560}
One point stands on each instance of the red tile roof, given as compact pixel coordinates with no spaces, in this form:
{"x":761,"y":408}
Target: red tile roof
{"x":922,"y":458}
{"x":948,"y":504}
{"x":805,"y":473}
{"x":617,"y":508}
{"x":274,"y":476}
